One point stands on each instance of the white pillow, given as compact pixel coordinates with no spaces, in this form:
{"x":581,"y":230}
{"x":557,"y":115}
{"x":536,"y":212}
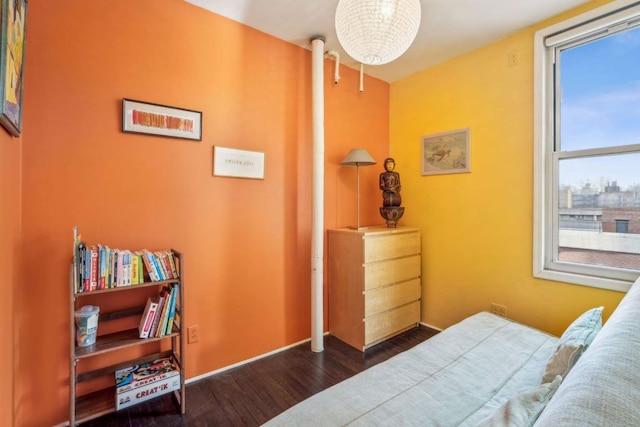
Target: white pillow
{"x":523,"y":409}
{"x":573,"y":342}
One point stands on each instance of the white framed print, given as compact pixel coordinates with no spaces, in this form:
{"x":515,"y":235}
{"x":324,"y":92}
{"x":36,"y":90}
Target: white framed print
{"x":235,"y":163}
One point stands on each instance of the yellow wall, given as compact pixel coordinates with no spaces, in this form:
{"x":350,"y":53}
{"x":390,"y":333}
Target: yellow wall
{"x":477,"y":227}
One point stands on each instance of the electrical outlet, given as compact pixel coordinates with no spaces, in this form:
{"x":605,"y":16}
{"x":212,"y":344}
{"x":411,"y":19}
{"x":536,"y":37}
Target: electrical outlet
{"x":193,"y":334}
{"x":514,"y":58}
{"x":500,"y":310}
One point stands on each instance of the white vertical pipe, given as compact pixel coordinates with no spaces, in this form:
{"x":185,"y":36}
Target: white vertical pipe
{"x":361,"y":77}
{"x":336,"y":72}
{"x":317,"y":222}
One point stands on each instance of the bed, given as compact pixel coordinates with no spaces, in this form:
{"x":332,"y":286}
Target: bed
{"x":491,"y":371}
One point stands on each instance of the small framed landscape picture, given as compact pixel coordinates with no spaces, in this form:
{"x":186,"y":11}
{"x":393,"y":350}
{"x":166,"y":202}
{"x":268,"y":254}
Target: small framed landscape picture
{"x":446,"y":152}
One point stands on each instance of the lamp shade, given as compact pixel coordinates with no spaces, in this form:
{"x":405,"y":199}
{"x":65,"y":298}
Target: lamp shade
{"x":375,"y":32}
{"x":358,"y":157}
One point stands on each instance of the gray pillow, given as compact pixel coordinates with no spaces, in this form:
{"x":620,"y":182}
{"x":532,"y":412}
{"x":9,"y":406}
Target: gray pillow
{"x":573,"y":342}
{"x":523,"y":409}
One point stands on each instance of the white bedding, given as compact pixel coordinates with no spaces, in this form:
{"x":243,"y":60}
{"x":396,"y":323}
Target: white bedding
{"x":458,"y":377}
{"x":603,"y":388}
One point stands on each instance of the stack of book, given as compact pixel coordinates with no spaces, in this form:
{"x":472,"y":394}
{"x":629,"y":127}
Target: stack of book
{"x":143,"y":382}
{"x":160,"y":265}
{"x":101,"y":267}
{"x":159,"y":312}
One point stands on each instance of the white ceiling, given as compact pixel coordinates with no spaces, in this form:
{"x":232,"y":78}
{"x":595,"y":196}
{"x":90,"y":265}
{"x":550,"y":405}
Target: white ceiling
{"x":448,"y":27}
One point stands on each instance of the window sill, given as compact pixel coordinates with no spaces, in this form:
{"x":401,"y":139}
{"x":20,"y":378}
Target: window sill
{"x":583,"y":280}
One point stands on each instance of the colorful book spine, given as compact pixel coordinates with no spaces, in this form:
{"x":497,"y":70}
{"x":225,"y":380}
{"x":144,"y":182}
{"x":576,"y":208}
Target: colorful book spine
{"x":165,"y":320}
{"x":165,"y":264}
{"x":163,"y":314}
{"x":147,"y":318}
{"x":172,"y":264}
{"x":144,"y":266}
{"x":126,"y":270}
{"x":86,"y":267}
{"x":135,"y":279}
{"x":110,"y":266}
{"x":140,"y":268}
{"x":157,"y":267}
{"x":161,"y":270}
{"x":151,"y":268}
{"x":161,"y":302}
{"x":172,"y":308}
{"x":116,"y":255}
{"x":93,"y":274}
{"x":177,"y":261}
{"x":119,"y":264}
{"x":75,"y":272}
{"x":102,"y":267}
{"x":81,"y":263}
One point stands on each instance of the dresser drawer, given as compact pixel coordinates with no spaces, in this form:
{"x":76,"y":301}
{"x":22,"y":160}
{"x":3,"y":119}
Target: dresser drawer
{"x":390,"y":322}
{"x":381,"y":247}
{"x":388,"y":297}
{"x":384,"y":273}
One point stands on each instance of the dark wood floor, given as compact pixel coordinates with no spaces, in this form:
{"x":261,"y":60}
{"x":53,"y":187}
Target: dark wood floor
{"x":254,"y":393}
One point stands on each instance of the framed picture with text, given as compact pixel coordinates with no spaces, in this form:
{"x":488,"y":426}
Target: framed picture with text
{"x":236,"y":163}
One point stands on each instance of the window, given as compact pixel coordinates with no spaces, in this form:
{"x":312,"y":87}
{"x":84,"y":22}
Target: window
{"x":622,"y":226}
{"x":587,"y":148}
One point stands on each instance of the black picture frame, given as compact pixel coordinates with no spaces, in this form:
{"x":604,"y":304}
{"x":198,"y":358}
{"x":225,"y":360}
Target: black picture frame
{"x":161,"y":120}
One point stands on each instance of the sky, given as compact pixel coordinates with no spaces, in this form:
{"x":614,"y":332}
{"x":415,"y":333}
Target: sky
{"x":600,"y":83}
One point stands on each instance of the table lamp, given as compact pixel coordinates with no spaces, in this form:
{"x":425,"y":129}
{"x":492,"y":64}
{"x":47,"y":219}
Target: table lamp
{"x":358,"y":157}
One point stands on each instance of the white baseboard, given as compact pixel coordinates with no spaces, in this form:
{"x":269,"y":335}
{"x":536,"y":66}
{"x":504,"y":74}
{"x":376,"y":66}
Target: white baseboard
{"x":262,"y":356}
{"x":244,"y":362}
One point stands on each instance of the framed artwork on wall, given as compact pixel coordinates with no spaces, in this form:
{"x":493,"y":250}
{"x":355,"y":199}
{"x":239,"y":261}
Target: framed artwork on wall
{"x":446,"y":152}
{"x":13,"y":28}
{"x":161,"y":120}
{"x":236,"y":163}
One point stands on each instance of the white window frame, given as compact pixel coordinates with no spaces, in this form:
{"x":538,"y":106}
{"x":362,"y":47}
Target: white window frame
{"x":545,"y":178}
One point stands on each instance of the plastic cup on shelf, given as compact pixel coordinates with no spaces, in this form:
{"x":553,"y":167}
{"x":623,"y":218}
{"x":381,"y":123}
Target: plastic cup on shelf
{"x":87,"y":325}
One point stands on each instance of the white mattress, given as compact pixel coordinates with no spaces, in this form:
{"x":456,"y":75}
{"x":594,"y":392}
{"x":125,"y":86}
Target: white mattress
{"x":458,"y":377}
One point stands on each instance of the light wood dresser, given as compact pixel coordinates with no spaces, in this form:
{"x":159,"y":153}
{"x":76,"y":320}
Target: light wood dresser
{"x":374,"y":283}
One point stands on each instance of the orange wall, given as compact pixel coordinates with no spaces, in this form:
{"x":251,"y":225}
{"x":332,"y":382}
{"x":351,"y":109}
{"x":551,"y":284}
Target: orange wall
{"x":10,"y":152}
{"x":246,"y":242}
{"x":478,"y":227}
